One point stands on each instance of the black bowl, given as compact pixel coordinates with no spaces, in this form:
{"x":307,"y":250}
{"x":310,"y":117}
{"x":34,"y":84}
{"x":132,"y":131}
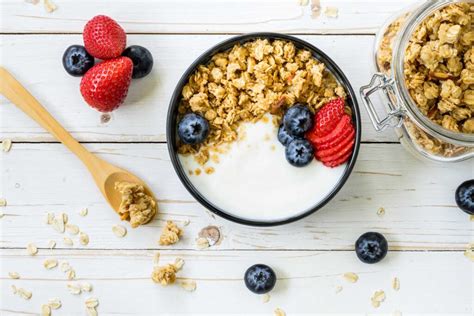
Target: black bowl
{"x":171,"y":133}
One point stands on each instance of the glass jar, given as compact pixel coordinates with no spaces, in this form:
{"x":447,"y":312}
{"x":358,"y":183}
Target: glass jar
{"x":419,"y":134}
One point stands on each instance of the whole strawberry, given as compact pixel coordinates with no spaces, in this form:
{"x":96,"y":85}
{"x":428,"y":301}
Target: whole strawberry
{"x":104,"y":38}
{"x":105,"y":86}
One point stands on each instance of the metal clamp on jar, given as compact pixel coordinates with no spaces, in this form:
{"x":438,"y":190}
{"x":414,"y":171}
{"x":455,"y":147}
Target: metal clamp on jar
{"x":417,"y":119}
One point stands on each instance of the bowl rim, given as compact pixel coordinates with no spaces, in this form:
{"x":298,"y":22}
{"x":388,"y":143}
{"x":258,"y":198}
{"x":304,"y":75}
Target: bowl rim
{"x":203,"y":59}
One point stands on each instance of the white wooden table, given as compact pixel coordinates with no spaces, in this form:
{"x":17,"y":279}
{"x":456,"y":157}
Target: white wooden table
{"x":426,"y":232}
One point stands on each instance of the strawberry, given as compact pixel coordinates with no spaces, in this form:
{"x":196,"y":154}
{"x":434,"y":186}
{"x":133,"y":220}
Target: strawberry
{"x":343,"y":124}
{"x":338,"y":162}
{"x":105,"y":86}
{"x":339,"y":154}
{"x":348,"y":133}
{"x":334,"y":149}
{"x":328,"y":116}
{"x":104,"y":38}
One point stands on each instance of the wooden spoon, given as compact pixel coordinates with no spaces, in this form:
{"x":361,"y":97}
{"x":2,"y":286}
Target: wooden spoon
{"x":105,"y":174}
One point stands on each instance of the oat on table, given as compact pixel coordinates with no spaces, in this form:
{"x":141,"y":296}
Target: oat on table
{"x":137,"y":206}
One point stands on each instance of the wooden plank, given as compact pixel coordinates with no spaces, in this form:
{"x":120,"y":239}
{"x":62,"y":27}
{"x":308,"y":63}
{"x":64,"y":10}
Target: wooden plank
{"x":202,"y":16}
{"x":143,"y":118}
{"x":418,"y":198}
{"x":430,"y":282}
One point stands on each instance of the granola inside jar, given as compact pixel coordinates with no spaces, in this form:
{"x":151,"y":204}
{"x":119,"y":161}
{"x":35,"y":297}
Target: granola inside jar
{"x":424,"y":59}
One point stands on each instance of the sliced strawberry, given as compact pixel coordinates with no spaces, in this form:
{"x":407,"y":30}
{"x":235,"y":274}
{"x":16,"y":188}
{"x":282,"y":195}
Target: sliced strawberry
{"x":328,"y":116}
{"x":348,"y":133}
{"x":343,"y":124}
{"x":339,"y":154}
{"x":335,"y":149}
{"x":338,"y":162}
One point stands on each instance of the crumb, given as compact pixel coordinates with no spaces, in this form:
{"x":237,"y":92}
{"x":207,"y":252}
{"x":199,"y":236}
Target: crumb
{"x":170,"y":234}
{"x":209,"y":170}
{"x":381,"y":212}
{"x":197,"y":171}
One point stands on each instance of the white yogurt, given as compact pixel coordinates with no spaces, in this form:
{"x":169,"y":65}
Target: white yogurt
{"x":254,"y":181}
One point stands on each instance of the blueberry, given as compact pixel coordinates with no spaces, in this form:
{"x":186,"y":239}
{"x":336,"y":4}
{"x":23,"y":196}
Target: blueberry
{"x":299,"y":152}
{"x":141,"y":58}
{"x":260,"y":279}
{"x":284,"y":137}
{"x":193,"y":129}
{"x":76,"y":60}
{"x":371,"y":247}
{"x":465,"y":196}
{"x":298,"y":119}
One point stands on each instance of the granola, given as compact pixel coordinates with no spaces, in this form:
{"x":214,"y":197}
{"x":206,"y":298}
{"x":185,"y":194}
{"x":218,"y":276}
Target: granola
{"x":249,"y":81}
{"x":439,"y":72}
{"x":170,"y":234}
{"x":137,"y":206}
{"x":164,"y":275}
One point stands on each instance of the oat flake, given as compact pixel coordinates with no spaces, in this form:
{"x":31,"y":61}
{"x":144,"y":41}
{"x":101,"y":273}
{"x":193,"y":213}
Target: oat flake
{"x":2,"y":214}
{"x":65,"y":267}
{"x":91,"y":312}
{"x":84,"y":239}
{"x":49,"y":218}
{"x":45,"y":310}
{"x":3,"y":202}
{"x":188,"y":285}
{"x":156,"y":258}
{"x":74,"y":288}
{"x":49,"y":6}
{"x":381,"y":212}
{"x":331,"y":12}
{"x":179,"y":263}
{"x":202,"y":243}
{"x":351,"y":277}
{"x":92,"y":302}
{"x":396,"y":284}
{"x":86,"y":287}
{"x":50,"y":263}
{"x":119,"y":231}
{"x":54,"y":303}
{"x":72,"y":229}
{"x":377,"y":298}
{"x":83,"y":212}
{"x":338,"y":289}
{"x":25,"y":294}
{"x":68,"y":241}
{"x":51,"y":244}
{"x":265,"y":298}
{"x":13,"y":275}
{"x":71,"y":274}
{"x":6,"y":145}
{"x":279,"y":312}
{"x":31,"y":249}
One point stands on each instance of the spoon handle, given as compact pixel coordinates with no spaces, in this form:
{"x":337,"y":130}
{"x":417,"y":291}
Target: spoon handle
{"x":18,"y":95}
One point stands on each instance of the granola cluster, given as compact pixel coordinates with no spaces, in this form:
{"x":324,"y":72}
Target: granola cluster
{"x":170,"y":234}
{"x":249,"y":81}
{"x":439,"y":67}
{"x":136,"y":206}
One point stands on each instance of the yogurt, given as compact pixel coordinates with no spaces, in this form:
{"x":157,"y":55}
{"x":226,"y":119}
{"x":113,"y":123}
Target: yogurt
{"x":253,"y":180}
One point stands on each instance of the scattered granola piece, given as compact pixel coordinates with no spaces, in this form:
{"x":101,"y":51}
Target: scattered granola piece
{"x":65,"y":218}
{"x":164,"y":275}
{"x":209,"y":170}
{"x":188,"y":285}
{"x":72,"y":229}
{"x":279,"y":312}
{"x":265,"y":298}
{"x":59,"y":223}
{"x":351,"y":277}
{"x":6,"y":145}
{"x":119,"y":231}
{"x":21,"y":292}
{"x":68,"y":241}
{"x":45,"y":310}
{"x":50,"y":263}
{"x":91,"y":302}
{"x":54,"y":303}
{"x":202,"y":243}
{"x":74,"y":288}
{"x":338,"y":289}
{"x":187,"y":222}
{"x":86,"y":287}
{"x":84,"y":239}
{"x":83,"y":212}
{"x":3,"y":202}
{"x":31,"y":249}
{"x":197,"y":171}
{"x":331,"y":12}
{"x":212,"y":234}
{"x":13,"y":275}
{"x":396,"y":284}
{"x":381,"y":211}
{"x":377,"y":298}
{"x":49,"y":6}
{"x":170,"y":234}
